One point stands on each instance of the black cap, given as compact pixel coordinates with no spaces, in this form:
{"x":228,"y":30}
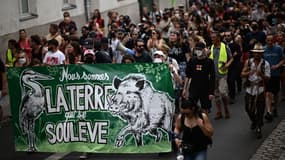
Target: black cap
{"x":200,"y":45}
{"x":121,"y":30}
{"x":88,"y":43}
{"x":104,"y":40}
{"x":53,"y":42}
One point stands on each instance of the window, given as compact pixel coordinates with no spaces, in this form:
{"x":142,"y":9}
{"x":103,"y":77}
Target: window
{"x":28,"y":9}
{"x":25,"y":7}
{"x":68,"y":4}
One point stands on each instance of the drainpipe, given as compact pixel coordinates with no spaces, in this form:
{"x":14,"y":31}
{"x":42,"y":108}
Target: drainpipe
{"x":86,"y":9}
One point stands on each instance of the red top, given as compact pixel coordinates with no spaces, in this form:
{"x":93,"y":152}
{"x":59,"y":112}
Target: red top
{"x":25,"y":44}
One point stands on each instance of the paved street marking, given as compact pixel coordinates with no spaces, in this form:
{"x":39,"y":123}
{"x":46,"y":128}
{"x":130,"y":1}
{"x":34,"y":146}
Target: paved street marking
{"x":57,"y":156}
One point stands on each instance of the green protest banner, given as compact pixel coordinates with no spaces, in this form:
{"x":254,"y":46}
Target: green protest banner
{"x":102,"y":108}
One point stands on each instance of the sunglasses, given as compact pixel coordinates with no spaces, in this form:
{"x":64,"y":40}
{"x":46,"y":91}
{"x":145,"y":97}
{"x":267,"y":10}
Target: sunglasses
{"x":174,"y":32}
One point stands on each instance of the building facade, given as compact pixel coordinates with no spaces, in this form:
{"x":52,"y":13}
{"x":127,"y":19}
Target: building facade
{"x":36,"y":15}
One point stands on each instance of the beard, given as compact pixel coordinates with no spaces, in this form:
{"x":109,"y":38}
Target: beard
{"x":140,"y":50}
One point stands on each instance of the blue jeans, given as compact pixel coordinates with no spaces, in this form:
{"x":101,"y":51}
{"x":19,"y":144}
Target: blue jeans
{"x":202,"y":155}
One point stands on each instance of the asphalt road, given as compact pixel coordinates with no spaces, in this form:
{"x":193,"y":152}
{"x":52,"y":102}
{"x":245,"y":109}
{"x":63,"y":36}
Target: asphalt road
{"x":232,"y":140}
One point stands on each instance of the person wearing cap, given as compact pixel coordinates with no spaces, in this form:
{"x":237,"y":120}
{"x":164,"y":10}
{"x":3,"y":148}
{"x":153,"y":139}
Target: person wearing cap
{"x":176,"y":77}
{"x":89,"y":56}
{"x":200,"y":70}
{"x":54,"y":56}
{"x":106,"y":47}
{"x":67,"y":26}
{"x":274,"y":55}
{"x":121,"y":32}
{"x":256,"y":70}
{"x":193,"y":131}
{"x":101,"y":56}
{"x":158,"y":57}
{"x":171,"y":61}
{"x":88,"y":43}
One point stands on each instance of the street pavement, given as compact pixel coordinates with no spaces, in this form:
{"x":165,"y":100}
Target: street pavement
{"x":273,"y":147}
{"x":233,"y":140}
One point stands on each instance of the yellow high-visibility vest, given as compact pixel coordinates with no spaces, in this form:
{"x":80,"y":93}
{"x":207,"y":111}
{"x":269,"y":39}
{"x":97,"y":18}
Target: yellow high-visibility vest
{"x":10,"y":58}
{"x":223,"y":58}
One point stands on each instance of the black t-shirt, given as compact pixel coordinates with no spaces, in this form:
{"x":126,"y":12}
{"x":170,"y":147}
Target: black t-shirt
{"x":38,"y":55}
{"x":202,"y":74}
{"x":234,"y":47}
{"x":2,"y":70}
{"x":178,"y":51}
{"x":145,"y":58}
{"x":272,"y":19}
{"x":102,"y":57}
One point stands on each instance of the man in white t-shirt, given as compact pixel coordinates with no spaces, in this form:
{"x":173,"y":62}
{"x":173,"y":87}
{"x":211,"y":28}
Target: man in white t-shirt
{"x":53,"y":56}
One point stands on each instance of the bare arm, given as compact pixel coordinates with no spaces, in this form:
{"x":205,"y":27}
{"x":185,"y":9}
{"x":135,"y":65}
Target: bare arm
{"x":149,"y":44}
{"x":206,"y":125}
{"x":245,"y":70}
{"x":177,"y":130}
{"x":185,"y":88}
{"x":276,"y":66}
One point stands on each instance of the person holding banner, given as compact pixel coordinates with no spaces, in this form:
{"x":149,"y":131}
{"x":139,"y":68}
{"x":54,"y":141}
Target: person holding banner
{"x":193,"y":131}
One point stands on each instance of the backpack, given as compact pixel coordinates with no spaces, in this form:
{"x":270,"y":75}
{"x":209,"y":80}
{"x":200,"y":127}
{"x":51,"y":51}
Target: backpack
{"x":209,"y":139}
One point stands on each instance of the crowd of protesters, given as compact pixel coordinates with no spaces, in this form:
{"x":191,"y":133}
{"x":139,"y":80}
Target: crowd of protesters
{"x":214,"y":37}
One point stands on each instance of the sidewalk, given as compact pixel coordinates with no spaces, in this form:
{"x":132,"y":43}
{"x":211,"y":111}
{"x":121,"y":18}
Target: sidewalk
{"x":273,"y":148}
